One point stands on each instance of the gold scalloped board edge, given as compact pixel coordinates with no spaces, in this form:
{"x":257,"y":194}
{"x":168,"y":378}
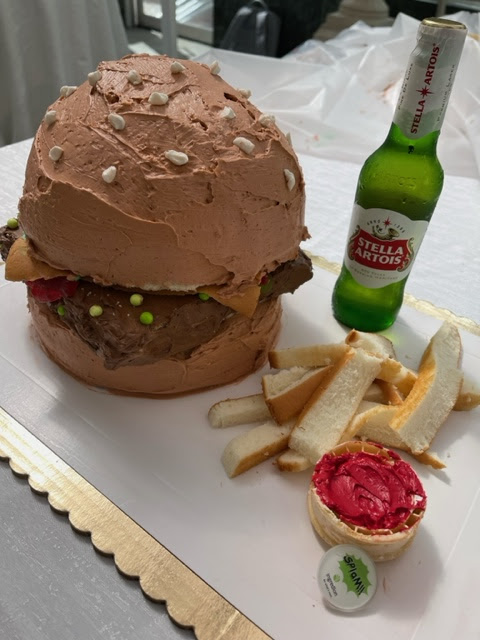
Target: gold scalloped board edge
{"x":423,"y":306}
{"x":190,"y":602}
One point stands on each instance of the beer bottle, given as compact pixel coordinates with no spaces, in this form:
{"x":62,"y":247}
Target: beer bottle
{"x":399,"y":186}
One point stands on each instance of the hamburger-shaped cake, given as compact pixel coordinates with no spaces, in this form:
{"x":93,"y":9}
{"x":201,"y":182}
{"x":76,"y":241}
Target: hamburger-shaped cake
{"x":160,"y":222}
{"x":364,"y":494}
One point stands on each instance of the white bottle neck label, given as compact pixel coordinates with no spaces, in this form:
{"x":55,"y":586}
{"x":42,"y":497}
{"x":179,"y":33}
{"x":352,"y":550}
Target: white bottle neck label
{"x":382,"y":246}
{"x":428,"y":81}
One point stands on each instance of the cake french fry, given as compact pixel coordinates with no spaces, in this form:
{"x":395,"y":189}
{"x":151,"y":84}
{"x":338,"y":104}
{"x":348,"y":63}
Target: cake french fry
{"x":381,"y":346}
{"x":434,"y":393}
{"x":373,"y":342}
{"x":285,"y":403}
{"x":317,"y":355}
{"x":292,"y":462}
{"x":468,"y":397}
{"x":330,"y":410}
{"x":257,"y":445}
{"x":374,"y":424}
{"x":397,"y":374}
{"x":357,"y":396}
{"x":254,"y":408}
{"x":234,"y":411}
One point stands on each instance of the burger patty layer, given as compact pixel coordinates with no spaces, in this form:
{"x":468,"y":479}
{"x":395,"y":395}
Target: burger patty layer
{"x":180,"y":323}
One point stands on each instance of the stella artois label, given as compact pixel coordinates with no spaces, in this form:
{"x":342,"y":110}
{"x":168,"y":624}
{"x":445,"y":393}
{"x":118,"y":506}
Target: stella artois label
{"x":382,"y":246}
{"x":428,"y":80}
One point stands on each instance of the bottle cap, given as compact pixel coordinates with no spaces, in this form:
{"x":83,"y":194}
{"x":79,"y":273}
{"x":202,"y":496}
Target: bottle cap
{"x":347,"y":577}
{"x":443,"y":23}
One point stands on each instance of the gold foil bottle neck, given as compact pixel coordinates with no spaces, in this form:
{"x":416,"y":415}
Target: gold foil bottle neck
{"x":443,"y":23}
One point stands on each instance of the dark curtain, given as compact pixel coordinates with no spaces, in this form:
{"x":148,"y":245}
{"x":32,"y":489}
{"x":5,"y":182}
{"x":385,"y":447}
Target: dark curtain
{"x":299,"y":19}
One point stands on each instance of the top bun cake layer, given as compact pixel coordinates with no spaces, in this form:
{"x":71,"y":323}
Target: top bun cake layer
{"x":156,"y":174}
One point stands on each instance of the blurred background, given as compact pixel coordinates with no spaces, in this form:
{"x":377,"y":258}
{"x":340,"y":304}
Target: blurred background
{"x":45,"y":44}
{"x":208,"y":21}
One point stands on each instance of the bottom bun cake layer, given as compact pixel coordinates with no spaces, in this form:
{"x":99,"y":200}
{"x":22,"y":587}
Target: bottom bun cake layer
{"x":239,"y":349}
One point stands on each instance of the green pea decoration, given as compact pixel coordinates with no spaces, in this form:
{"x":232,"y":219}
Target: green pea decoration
{"x":146,"y":317}
{"x":61,"y":310}
{"x":95,"y":311}
{"x":136,"y":299}
{"x":204,"y":296}
{"x":12,"y":223}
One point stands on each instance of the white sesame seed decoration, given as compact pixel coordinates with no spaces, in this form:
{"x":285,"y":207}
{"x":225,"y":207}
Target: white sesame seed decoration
{"x":289,"y":179}
{"x":94,"y":77}
{"x":177,"y":67}
{"x":228,"y":113}
{"x":67,"y":90}
{"x":245,"y":145}
{"x":246,"y":93}
{"x":288,"y":137}
{"x":50,"y":117}
{"x":134,"y":77}
{"x":109,"y":174}
{"x":176,"y":157}
{"x":116,"y":121}
{"x":158,"y":98}
{"x":215,"y":68}
{"x":266,"y":119}
{"x":55,"y":153}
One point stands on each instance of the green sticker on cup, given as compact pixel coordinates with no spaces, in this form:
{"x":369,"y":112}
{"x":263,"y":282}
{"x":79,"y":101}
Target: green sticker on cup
{"x":355,"y":574}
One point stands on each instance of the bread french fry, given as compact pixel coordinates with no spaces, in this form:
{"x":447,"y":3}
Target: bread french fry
{"x":366,"y":405}
{"x":233,"y":411}
{"x":329,"y":411}
{"x":276,"y":383}
{"x":435,"y":392}
{"x":249,"y":449}
{"x":394,"y":372}
{"x":469,"y":396}
{"x":391,"y":394}
{"x":292,"y":462}
{"x":373,"y":342}
{"x":364,"y":393}
{"x":374,"y":393}
{"x":317,"y":355}
{"x":289,"y":402}
{"x":382,"y":347}
{"x":431,"y":459}
{"x":373,"y":424}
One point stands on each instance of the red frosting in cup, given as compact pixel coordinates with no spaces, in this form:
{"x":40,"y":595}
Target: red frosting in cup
{"x":369,"y":490}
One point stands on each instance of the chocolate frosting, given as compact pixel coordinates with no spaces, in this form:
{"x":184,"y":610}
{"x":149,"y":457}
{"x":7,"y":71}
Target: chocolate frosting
{"x":240,"y":348}
{"x":181,"y":323}
{"x":224,"y":217}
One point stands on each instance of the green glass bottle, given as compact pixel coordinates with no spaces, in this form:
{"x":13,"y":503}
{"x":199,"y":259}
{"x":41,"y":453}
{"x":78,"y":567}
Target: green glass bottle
{"x":399,"y":186}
